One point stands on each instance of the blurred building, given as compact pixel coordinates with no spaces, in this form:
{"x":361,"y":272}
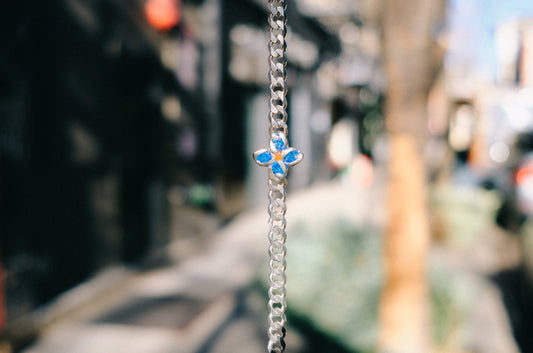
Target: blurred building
{"x":514,"y":46}
{"x":113,"y":112}
{"x":490,"y":97}
{"x":95,"y":125}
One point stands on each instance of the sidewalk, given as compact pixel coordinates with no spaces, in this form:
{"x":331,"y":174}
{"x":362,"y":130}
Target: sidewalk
{"x":206,"y":304}
{"x":210,"y":302}
{"x":194,"y":306}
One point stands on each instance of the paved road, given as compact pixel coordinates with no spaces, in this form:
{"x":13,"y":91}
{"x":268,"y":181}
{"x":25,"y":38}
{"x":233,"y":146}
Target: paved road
{"x":206,"y":304}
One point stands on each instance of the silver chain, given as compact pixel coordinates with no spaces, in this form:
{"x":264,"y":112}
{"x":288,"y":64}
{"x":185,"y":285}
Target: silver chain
{"x":278,"y":62}
{"x":278,"y":157}
{"x":276,"y":195}
{"x":277,"y":279}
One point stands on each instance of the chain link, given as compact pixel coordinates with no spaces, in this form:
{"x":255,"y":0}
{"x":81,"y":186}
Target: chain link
{"x":277,"y":264}
{"x":278,"y":63}
{"x":276,"y":195}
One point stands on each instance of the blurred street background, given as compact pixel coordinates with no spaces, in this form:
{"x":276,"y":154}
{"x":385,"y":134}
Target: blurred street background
{"x":133,"y":217}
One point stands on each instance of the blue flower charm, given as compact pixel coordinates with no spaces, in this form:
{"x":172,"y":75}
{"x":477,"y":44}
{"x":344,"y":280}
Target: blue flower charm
{"x":279,"y":157}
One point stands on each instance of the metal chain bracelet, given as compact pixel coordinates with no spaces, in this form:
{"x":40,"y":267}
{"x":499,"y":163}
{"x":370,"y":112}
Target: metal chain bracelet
{"x":278,"y":63}
{"x":278,"y":158}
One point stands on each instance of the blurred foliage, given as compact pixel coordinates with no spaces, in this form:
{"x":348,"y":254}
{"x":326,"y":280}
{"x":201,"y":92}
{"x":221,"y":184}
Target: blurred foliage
{"x":335,"y":280}
{"x":453,"y":298}
{"x":527,"y":245}
{"x":335,"y":277}
{"x":460,"y":214}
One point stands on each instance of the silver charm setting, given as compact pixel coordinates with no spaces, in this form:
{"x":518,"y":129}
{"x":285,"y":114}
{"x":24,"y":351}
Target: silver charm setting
{"x":279,"y":157}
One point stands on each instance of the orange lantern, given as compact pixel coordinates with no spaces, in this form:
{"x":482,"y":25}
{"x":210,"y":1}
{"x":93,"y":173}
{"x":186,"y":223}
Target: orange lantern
{"x":162,"y":14}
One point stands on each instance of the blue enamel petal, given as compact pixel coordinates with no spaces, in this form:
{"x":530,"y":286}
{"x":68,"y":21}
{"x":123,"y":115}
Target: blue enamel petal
{"x":276,"y":168}
{"x":264,"y":157}
{"x":292,"y":156}
{"x":280,"y":145}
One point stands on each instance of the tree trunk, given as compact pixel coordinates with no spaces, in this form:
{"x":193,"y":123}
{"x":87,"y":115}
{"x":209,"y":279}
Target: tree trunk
{"x":410,"y":63}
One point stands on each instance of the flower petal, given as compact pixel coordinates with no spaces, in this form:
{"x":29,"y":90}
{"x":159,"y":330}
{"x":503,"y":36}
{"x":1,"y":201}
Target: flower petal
{"x":292,"y":156}
{"x":263,"y":157}
{"x":279,"y":168}
{"x":278,"y":142}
